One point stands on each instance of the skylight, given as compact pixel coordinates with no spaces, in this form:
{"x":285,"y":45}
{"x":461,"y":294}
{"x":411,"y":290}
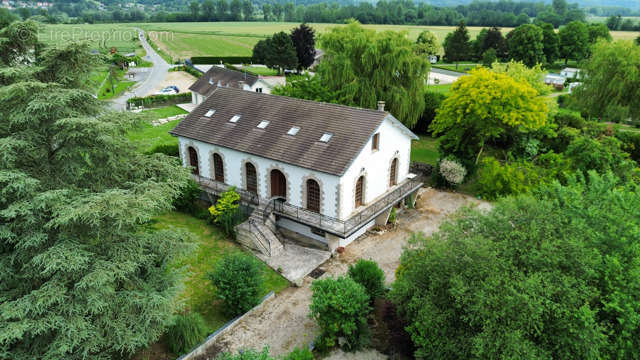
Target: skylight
{"x":263,"y":124}
{"x":235,"y":118}
{"x":294,"y":130}
{"x":210,"y":113}
{"x":326,"y":137}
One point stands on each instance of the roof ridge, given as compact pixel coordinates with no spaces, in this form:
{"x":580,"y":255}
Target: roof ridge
{"x":305,"y":100}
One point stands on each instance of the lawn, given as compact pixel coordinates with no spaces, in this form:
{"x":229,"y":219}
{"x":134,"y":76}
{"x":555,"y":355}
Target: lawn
{"x":101,"y":37}
{"x":148,"y":136}
{"x":259,"y":70}
{"x":425,"y":150}
{"x":106,"y":92}
{"x":210,"y":246}
{"x":443,"y":89}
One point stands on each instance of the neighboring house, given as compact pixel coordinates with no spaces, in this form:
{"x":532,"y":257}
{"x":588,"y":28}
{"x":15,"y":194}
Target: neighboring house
{"x":556,"y":80}
{"x":573,"y":86}
{"x":570,"y":73}
{"x":318,"y":173}
{"x":222,"y":77}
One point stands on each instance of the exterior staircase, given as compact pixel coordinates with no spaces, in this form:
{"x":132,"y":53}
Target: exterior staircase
{"x":259,"y":233}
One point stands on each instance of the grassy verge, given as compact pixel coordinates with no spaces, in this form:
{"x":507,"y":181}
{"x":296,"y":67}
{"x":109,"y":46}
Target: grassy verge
{"x":160,"y":52}
{"x":425,"y":150}
{"x":258,"y":70}
{"x":121,"y":86}
{"x":210,"y":247}
{"x":148,"y":136}
{"x":443,"y":89}
{"x":97,"y":77}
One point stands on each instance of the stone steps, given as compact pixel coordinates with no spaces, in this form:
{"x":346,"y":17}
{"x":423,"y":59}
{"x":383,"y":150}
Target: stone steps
{"x":256,"y":234}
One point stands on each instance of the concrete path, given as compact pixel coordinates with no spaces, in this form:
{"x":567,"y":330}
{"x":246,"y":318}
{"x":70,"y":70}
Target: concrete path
{"x":155,"y":76}
{"x":285,"y":323}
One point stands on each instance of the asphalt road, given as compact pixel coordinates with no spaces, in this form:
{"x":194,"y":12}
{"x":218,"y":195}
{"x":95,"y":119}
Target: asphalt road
{"x":156,"y":75}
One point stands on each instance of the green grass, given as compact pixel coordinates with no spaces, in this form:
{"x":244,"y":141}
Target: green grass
{"x":257,"y":70}
{"x":425,"y":150}
{"x":149,"y":136}
{"x":460,"y":68}
{"x":120,"y":87}
{"x":210,"y":247}
{"x":443,"y":89}
{"x":101,"y":37}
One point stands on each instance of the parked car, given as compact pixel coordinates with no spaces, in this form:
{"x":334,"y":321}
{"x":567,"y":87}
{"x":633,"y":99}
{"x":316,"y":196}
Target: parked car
{"x":166,"y":91}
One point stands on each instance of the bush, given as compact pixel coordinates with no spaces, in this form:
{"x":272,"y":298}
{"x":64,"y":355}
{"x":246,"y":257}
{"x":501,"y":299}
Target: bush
{"x":225,"y":211}
{"x":368,"y":274}
{"x":167,"y":149}
{"x":432,"y":102}
{"x":299,"y":354}
{"x":186,"y":202}
{"x":489,"y":57}
{"x":570,"y":118}
{"x":393,"y":216}
{"x":249,"y":354}
{"x":212,"y":60}
{"x":188,"y":69}
{"x":154,"y":100}
{"x":601,"y":155}
{"x":630,"y":143}
{"x":186,"y":332}
{"x":238,"y":282}
{"x":340,"y":307}
{"x":452,"y":171}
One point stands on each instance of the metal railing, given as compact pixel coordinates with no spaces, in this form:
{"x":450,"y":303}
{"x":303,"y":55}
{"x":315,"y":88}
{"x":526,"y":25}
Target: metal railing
{"x":348,"y":226}
{"x":220,"y":187}
{"x":267,"y":240}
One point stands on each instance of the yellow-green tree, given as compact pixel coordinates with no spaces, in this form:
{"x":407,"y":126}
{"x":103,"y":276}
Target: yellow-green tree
{"x":225,"y":210}
{"x":483,"y":106}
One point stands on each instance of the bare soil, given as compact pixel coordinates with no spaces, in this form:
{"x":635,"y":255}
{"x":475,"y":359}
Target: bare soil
{"x":183,"y":80}
{"x":285,"y":323}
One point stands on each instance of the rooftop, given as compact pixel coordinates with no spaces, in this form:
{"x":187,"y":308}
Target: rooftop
{"x":221,"y":77}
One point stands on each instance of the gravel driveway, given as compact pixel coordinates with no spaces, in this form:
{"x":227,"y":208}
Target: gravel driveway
{"x":284,"y":323}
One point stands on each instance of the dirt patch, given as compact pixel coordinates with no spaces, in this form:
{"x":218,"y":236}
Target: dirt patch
{"x":285,"y":323}
{"x":183,"y":80}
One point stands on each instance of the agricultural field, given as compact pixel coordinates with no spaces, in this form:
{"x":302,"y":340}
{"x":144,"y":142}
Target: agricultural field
{"x":101,"y":37}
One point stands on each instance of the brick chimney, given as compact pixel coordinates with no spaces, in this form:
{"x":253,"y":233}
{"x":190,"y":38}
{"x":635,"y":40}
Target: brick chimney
{"x":380,"y":105}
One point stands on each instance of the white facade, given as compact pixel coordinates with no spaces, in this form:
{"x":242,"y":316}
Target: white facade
{"x":570,"y":73}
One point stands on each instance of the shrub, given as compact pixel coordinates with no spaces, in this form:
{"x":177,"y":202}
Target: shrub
{"x":187,"y":199}
{"x":432,"y":102}
{"x":238,"y":282}
{"x":452,"y":171}
{"x":489,"y":57}
{"x":299,"y":354}
{"x":154,"y":100}
{"x":167,"y":149}
{"x":630,"y":143}
{"x":496,"y":179}
{"x":570,"y":118}
{"x":340,"y":307}
{"x":393,"y":216}
{"x":186,"y":332}
{"x":368,"y":274}
{"x":225,"y":211}
{"x":601,"y":155}
{"x":249,"y":354}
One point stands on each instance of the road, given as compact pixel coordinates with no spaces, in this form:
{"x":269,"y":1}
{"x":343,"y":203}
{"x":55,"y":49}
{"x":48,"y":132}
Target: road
{"x":156,"y":75}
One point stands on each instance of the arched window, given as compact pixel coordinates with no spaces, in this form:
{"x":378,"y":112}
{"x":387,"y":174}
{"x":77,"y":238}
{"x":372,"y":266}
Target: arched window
{"x":193,"y":161}
{"x":313,"y":196}
{"x":252,"y":178}
{"x":278,"y":184}
{"x":393,"y":172}
{"x":359,"y":192}
{"x":218,"y":168}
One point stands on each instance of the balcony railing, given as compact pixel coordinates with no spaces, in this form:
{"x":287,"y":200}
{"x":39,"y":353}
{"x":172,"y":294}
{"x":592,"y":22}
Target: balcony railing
{"x":344,"y":228}
{"x":219,"y":187}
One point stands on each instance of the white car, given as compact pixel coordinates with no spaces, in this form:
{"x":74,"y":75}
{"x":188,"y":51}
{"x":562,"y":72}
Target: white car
{"x":166,"y":91}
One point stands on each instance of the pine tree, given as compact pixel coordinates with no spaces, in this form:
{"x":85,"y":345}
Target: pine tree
{"x":457,"y":46}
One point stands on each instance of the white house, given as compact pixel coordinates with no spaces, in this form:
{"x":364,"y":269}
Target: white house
{"x":570,"y":73}
{"x":554,"y":79}
{"x":218,"y":76}
{"x":324,"y":173}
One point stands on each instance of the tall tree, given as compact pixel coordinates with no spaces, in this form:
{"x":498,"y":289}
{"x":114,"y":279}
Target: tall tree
{"x":427,"y":43}
{"x":82,"y":275}
{"x":289,"y":12}
{"x":456,"y":45}
{"x":221,"y":9}
{"x":550,"y":43}
{"x":247,"y":9}
{"x":208,"y":10}
{"x":235,"y":9}
{"x":495,"y":40}
{"x":194,"y":7}
{"x":598,"y":31}
{"x":17,"y":40}
{"x":574,"y":41}
{"x":365,"y":66}
{"x":304,"y":40}
{"x":6,"y":18}
{"x":266,"y":11}
{"x":560,"y":7}
{"x":526,"y":44}
{"x":280,"y":52}
{"x":277,"y":11}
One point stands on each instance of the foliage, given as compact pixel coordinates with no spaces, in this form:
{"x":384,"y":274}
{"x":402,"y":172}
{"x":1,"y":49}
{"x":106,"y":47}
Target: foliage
{"x":249,"y":354}
{"x":82,"y":275}
{"x":489,"y":57}
{"x":427,"y":44}
{"x":340,"y":307}
{"x":550,"y":43}
{"x":432,"y":102}
{"x":225,"y":211}
{"x":186,"y":332}
{"x":160,"y":100}
{"x":167,"y":149}
{"x":574,"y":41}
{"x":526,"y":44}
{"x":309,"y":88}
{"x":393,"y":216}
{"x":187,"y":199}
{"x":517,"y":70}
{"x":368,"y":274}
{"x":602,"y":155}
{"x":611,"y":79}
{"x":549,"y":275}
{"x":597,"y":32}
{"x":195,"y":60}
{"x":238,"y":282}
{"x":483,"y":106}
{"x":304,"y":41}
{"x":17,"y":40}
{"x":565,"y":117}
{"x":456,"y":45}
{"x":452,"y":171}
{"x":358,"y":63}
{"x":279,"y":52}
{"x":299,"y":354}
{"x":494,"y":39}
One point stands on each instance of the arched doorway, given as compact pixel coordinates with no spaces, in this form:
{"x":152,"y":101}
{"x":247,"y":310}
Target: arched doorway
{"x":218,"y":168}
{"x":193,"y":161}
{"x":252,"y":178}
{"x":393,"y":179}
{"x":313,"y":196}
{"x":278,"y":184}
{"x":359,"y":191}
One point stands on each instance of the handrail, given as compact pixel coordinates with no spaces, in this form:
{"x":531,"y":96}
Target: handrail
{"x":261,"y":233}
{"x":220,"y":187}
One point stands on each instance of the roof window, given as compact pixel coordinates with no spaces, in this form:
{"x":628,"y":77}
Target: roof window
{"x":326,"y":137}
{"x":294,"y":130}
{"x":234,"y":119}
{"x":263,"y":124}
{"x":210,"y":113}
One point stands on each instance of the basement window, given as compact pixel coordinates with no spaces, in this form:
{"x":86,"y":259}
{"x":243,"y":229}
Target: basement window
{"x":294,"y":130}
{"x":210,"y":113}
{"x":263,"y":124}
{"x":326,"y":137}
{"x":235,"y":118}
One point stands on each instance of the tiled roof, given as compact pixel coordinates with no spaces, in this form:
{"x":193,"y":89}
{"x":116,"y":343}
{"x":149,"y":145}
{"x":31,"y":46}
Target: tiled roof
{"x":223,"y":77}
{"x":350,"y":127}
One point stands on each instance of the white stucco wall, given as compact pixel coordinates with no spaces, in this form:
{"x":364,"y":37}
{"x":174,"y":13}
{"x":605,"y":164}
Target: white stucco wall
{"x":266,"y":88}
{"x":196,"y":98}
{"x":375,"y":166}
{"x":234,"y":174}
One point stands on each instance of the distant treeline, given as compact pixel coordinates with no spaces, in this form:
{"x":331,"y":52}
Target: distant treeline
{"x":502,"y":13}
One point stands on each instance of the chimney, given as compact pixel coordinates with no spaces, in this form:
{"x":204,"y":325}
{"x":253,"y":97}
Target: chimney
{"x":380,"y":105}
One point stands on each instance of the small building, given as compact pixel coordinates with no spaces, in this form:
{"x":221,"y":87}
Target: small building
{"x":218,"y":76}
{"x":570,"y":73}
{"x":556,"y":80}
{"x":318,"y":173}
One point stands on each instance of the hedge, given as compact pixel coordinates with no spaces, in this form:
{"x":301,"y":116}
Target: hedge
{"x":193,"y":71}
{"x":210,"y":60}
{"x":154,"y":100}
